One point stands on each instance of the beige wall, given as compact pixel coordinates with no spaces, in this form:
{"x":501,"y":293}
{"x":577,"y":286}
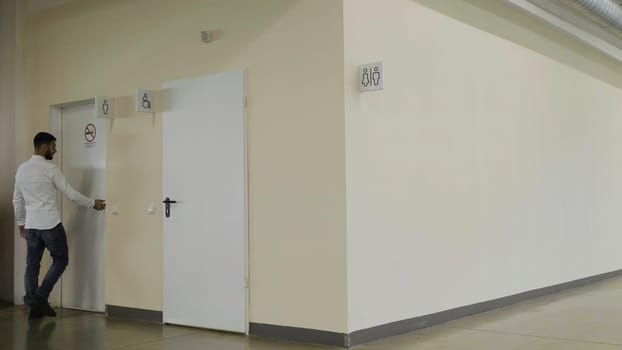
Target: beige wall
{"x":491,"y":153}
{"x":7,"y":146}
{"x":293,"y":54}
{"x":12,"y":249}
{"x":489,"y":165}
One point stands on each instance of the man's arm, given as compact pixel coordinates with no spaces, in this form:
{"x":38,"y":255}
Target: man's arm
{"x":62,"y":185}
{"x":19,"y":205}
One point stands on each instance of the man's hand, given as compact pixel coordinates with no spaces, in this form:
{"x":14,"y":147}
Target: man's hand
{"x":100,"y":204}
{"x":22,"y":231}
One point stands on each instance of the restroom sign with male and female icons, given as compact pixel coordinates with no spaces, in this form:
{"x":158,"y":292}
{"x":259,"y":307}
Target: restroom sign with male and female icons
{"x":371,"y":77}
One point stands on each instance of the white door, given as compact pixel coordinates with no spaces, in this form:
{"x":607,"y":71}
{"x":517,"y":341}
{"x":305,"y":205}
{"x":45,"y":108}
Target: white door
{"x":82,"y":149}
{"x":204,"y":171}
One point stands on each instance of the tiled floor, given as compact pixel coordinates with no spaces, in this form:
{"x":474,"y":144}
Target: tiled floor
{"x":588,"y":317}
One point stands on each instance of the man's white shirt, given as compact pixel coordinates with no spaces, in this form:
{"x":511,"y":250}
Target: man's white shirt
{"x":34,"y":198}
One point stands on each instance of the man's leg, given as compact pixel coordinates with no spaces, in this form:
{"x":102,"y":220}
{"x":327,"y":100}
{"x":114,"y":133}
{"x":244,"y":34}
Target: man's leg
{"x":34,"y":252}
{"x":56,"y":242}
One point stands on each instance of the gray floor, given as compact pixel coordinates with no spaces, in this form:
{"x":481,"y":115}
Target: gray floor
{"x":588,"y":317}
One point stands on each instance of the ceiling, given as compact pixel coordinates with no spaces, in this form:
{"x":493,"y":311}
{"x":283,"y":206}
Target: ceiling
{"x":574,"y":18}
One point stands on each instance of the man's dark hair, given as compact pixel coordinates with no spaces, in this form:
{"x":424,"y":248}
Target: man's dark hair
{"x":43,"y":138}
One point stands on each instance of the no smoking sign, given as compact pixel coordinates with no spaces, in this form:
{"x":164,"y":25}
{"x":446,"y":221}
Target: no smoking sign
{"x":90,"y":132}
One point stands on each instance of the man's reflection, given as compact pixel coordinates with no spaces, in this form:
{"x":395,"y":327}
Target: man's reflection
{"x":39,"y":333}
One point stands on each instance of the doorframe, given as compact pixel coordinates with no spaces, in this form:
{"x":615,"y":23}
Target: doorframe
{"x":246,"y":171}
{"x":246,"y":203}
{"x":55,"y":125}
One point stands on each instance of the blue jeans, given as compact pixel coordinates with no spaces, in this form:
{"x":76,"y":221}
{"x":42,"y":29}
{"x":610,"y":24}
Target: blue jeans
{"x":55,"y":240}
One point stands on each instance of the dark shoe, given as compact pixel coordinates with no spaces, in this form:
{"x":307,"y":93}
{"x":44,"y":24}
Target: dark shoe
{"x":41,"y":305}
{"x":49,"y":311}
{"x":35,"y":312}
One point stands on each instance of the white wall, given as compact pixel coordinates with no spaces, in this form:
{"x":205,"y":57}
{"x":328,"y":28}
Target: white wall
{"x":484,"y":168}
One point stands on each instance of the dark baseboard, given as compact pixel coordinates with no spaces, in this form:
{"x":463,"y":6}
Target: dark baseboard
{"x":297,"y":334}
{"x":411,"y":324}
{"x":134,"y":314}
{"x":5,"y":305}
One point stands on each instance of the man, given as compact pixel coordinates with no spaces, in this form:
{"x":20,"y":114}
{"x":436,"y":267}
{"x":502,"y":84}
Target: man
{"x":36,"y":213}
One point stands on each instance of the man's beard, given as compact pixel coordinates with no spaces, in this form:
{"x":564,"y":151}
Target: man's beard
{"x":49,"y":155}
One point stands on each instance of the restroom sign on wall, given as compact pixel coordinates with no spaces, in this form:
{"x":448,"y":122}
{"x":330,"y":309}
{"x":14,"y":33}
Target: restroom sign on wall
{"x":371,"y":76}
{"x":145,"y":100}
{"x":104,"y":106}
{"x":90,"y":132}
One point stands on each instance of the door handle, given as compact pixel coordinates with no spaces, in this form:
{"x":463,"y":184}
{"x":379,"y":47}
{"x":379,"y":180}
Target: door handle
{"x":167,"y":206}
